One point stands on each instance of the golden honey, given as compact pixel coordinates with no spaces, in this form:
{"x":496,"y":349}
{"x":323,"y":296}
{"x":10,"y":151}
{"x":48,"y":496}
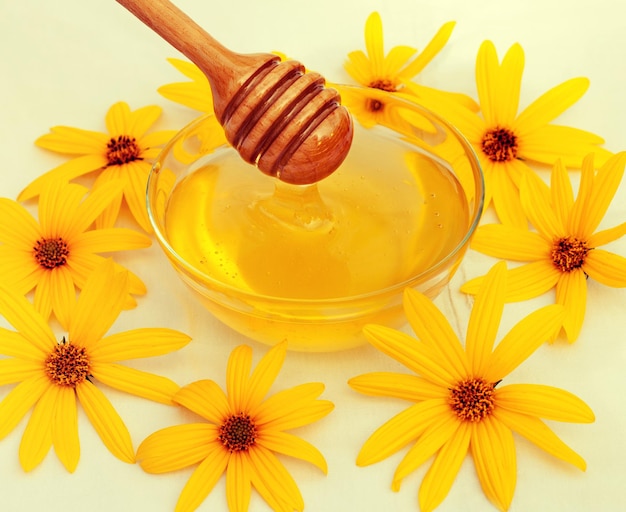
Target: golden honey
{"x":389,"y":213}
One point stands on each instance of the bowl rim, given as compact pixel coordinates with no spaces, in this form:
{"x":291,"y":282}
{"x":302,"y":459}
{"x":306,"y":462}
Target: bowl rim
{"x":223,"y":287}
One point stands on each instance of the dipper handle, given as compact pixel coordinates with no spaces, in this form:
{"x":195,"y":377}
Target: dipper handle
{"x":277,"y":116}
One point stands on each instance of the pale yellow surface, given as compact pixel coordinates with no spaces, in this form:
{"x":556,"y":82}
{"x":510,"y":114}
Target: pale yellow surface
{"x":67,"y":61}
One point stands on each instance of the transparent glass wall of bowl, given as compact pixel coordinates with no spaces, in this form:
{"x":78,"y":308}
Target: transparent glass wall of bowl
{"x":397,"y":156}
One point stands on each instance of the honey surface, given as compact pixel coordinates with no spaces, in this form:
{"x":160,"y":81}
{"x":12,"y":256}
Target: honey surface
{"x":384,"y":216}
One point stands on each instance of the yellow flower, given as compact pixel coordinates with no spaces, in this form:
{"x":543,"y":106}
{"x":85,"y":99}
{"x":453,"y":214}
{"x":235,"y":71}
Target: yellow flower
{"x":458,"y":403}
{"x":564,"y":251}
{"x":395,"y":71}
{"x":124,"y":152}
{"x":505,"y":141}
{"x":57,"y":253}
{"x":195,"y":94}
{"x":241,"y":432}
{"x":373,"y":107}
{"x":51,"y":375}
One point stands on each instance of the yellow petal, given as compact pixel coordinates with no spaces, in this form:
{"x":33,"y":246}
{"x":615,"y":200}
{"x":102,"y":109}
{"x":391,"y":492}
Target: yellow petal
{"x":109,"y":240}
{"x":81,"y":265}
{"x":507,"y":89}
{"x":530,"y":280}
{"x":65,"y":429}
{"x":397,"y":385}
{"x":493,"y":451}
{"x":19,"y":312}
{"x":536,"y":201}
{"x":509,"y":242}
{"x":544,"y":401}
{"x":16,"y":370}
{"x":606,"y":268}
{"x":238,"y":483}
{"x":106,"y":421}
{"x":489,"y":169}
{"x":205,"y":398}
{"x":505,"y":195}
{"x":433,"y":328}
{"x":523,"y":339}
{"x":18,"y":228}
{"x":189,"y":94}
{"x":62,"y":294}
{"x":202,"y":480}
{"x":293,"y":446}
{"x":99,"y":304}
{"x":485,"y":318}
{"x":237,"y":376}
{"x":43,"y":295}
{"x":138,"y":343}
{"x":117,"y":119}
{"x":582,"y":204}
{"x":403,"y":428}
{"x":374,"y":41}
{"x":188,"y":69}
{"x":259,"y":482}
{"x":292,"y":408}
{"x":358,"y":67}
{"x":465,"y":120}
{"x":275,"y":478}
{"x":571,"y":291}
{"x":37,"y":437}
{"x":562,"y":195}
{"x":395,"y":60}
{"x":487,"y":81}
{"x":549,"y":143}
{"x":440,"y":477}
{"x":177,"y":447}
{"x":607,"y":236}
{"x":109,"y":214}
{"x":141,"y":120}
{"x":57,"y":208}
{"x":19,"y":401}
{"x":605,"y":184}
{"x":151,"y":144}
{"x":94,"y":204}
{"x":550,"y":105}
{"x":472,"y":286}
{"x":18,"y":270}
{"x":537,"y":432}
{"x":432,"y":439}
{"x":415,"y":355}
{"x":430,"y":51}
{"x":264,"y":375}
{"x":13,"y":344}
{"x":73,"y":141}
{"x":135,"y":192}
{"x":136,"y":382}
{"x":64,"y":173}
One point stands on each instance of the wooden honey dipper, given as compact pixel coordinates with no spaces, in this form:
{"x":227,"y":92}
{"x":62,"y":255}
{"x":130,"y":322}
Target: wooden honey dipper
{"x":274,"y":114}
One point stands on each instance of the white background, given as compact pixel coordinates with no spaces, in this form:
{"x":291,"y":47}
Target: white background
{"x":65,"y":62}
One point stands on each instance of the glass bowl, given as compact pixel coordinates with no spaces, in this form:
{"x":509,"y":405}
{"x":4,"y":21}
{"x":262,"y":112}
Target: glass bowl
{"x":314,"y":264}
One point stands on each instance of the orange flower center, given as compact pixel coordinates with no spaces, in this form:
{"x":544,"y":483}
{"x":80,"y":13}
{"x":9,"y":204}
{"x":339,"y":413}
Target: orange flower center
{"x":238,"y":433}
{"x":569,"y":253}
{"x":122,"y":150}
{"x":67,"y":365}
{"x":384,"y":85}
{"x":51,"y":252}
{"x":472,"y":399}
{"x":373,"y":105}
{"x":499,"y":145}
